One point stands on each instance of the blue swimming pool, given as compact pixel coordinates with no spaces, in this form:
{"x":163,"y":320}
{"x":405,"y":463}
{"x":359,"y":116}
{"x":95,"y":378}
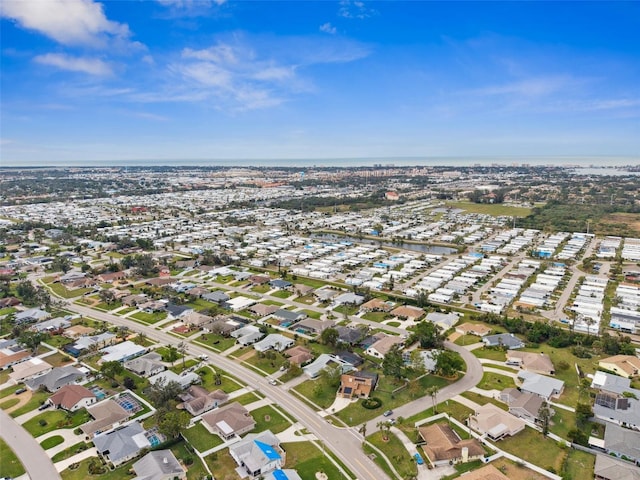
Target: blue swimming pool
{"x":99,"y":393}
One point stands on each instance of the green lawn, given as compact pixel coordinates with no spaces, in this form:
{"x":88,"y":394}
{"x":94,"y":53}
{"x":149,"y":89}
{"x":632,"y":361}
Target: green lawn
{"x":376,"y":316}
{"x":179,"y":367}
{"x":7,"y":404}
{"x":216,"y":342}
{"x":455,"y":409}
{"x":395,"y":452}
{"x":150,"y":318}
{"x":62,"y":291}
{"x":482,"y":400}
{"x":356,"y":414}
{"x":58,"y":359}
{"x":200,"y":438}
{"x":307,"y":459}
{"x":58,"y":341}
{"x":70,"y":451}
{"x":346,"y":309}
{"x":313,"y":314}
{"x":10,"y":466}
{"x":222,"y":465}
{"x":246,"y":398}
{"x":317,"y":392}
{"x":306,"y":299}
{"x":124,"y":311}
{"x":51,"y":442}
{"x":55,"y":419}
{"x":495,"y":381}
{"x":269,"y":363}
{"x":201,"y":304}
{"x":228,"y":384}
{"x":490,"y":353}
{"x":267,"y":418}
{"x":467,"y":340}
{"x":579,"y":466}
{"x":282,"y":294}
{"x":264,"y":288}
{"x":108,"y":306}
{"x":491,"y":209}
{"x":272,"y":302}
{"x":530,"y":444}
{"x":164,"y":351}
{"x":37,"y":399}
{"x":562,"y":422}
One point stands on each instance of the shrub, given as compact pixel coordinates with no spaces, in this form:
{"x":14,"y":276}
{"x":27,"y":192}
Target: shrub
{"x":42,"y":422}
{"x":371,"y":403}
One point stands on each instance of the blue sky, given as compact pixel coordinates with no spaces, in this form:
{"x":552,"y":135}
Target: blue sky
{"x":85,"y":81}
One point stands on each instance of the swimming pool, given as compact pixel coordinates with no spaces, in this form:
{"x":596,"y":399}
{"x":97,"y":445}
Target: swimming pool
{"x":99,"y":393}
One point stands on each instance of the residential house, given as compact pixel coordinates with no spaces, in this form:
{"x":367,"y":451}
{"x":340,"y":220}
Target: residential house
{"x":495,"y":423}
{"x":225,"y":324}
{"x":89,"y":343}
{"x":185,"y":379}
{"x":408,"y":312}
{"x":176,"y":312}
{"x":326,"y":360}
{"x":298,"y":355}
{"x":106,"y":415}
{"x":56,"y":378}
{"x":357,"y":384}
{"x":262,"y":310}
{"x":247,"y":335}
{"x":195,"y":319}
{"x":325,"y":294}
{"x":72,"y":398}
{"x":287,"y":317}
{"x":9,"y":302}
{"x":110,"y":277}
{"x":443,"y":446}
{"x":159,"y":465}
{"x":443,"y":320}
{"x":28,"y":369}
{"x":11,"y":352}
{"x":522,"y":404}
{"x":280,"y":284}
{"x":301,"y":289}
{"x":627,"y":366}
{"x":274,"y":341}
{"x":217,"y":296}
{"x":351,"y":336}
{"x":545,"y":387}
{"x":616,"y":401}
{"x":311,"y":326}
{"x":121,"y":445}
{"x":197,"y":400}
{"x":350,"y":357}
{"x":477,"y":329}
{"x":258,"y":279}
{"x":622,"y":442}
{"x":488,"y":472}
{"x":258,"y":454}
{"x":229,"y":421}
{"x":608,"y":468}
{"x":31,"y":315}
{"x":146,"y":365}
{"x":380,"y":348}
{"x":53,"y":325}
{"x":376,"y":305}
{"x":197,"y":292}
{"x":503,"y":340}
{"x":348,"y":298}
{"x":121,"y":352}
{"x":532,"y":362}
{"x":134,"y":300}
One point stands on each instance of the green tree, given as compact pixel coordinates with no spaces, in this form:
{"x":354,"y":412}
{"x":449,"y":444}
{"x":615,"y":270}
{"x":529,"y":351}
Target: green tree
{"x":393,"y":363}
{"x":329,"y":336}
{"x":172,"y":354}
{"x":111,"y":369}
{"x":544,"y":417}
{"x":448,"y":363}
{"x":433,"y":393}
{"x":31,"y":340}
{"x":162,"y":393}
{"x":171,"y":423}
{"x":428,"y":334}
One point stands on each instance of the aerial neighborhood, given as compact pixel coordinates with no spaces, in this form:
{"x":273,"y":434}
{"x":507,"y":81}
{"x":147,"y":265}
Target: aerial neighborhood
{"x":356,"y":323}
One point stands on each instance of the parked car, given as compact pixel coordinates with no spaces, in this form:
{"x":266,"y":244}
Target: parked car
{"x":44,"y":406}
{"x":20,"y":390}
{"x":419,"y":459}
{"x":388,"y":413}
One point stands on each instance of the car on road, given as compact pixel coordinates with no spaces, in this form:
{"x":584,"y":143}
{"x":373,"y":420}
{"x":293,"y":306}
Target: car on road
{"x":272,"y":381}
{"x":419,"y":459}
{"x":388,"y":413}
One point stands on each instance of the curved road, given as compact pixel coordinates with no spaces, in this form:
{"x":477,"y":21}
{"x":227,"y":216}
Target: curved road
{"x":27,"y":449}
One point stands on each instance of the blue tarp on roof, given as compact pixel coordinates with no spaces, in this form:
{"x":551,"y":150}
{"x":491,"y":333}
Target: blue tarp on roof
{"x":268,"y":450}
{"x":280,"y":475}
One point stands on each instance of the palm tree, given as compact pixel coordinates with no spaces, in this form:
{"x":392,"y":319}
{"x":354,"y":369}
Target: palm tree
{"x":433,"y":393}
{"x":182,"y":348}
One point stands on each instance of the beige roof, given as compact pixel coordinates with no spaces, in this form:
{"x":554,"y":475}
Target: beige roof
{"x":383,"y":345}
{"x":488,"y":472}
{"x":106,"y":414}
{"x":377,"y":304}
{"x":78,"y":331}
{"x":29,"y":368}
{"x":408,"y":311}
{"x":235,"y":415}
{"x":627,"y":363}
{"x":442,"y":443}
{"x":535,"y":362}
{"x":491,"y":419}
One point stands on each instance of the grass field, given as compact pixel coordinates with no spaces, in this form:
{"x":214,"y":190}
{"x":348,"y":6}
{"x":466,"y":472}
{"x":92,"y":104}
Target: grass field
{"x":222,"y":465}
{"x":200,"y":438}
{"x":268,"y":419}
{"x":51,"y":442}
{"x":307,"y":459}
{"x":579,"y":466}
{"x":70,"y":452}
{"x":10,"y":466}
{"x":62,"y":291}
{"x":37,"y":399}
{"x":541,"y":451}
{"x":149,"y":317}
{"x":54,"y":420}
{"x":395,"y":452}
{"x":496,"y":210}
{"x":494,"y":381}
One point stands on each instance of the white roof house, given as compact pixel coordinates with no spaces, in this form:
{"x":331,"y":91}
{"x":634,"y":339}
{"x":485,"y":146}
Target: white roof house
{"x":122,"y":352}
{"x":274,"y":341}
{"x":540,"y":385}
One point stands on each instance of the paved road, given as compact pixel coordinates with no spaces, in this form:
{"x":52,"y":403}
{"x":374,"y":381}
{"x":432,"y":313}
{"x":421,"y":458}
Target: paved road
{"x":345,"y":443}
{"x":28,"y":450}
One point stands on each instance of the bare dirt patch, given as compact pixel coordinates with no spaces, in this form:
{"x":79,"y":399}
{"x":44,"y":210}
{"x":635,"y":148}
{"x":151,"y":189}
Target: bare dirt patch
{"x":23,"y":397}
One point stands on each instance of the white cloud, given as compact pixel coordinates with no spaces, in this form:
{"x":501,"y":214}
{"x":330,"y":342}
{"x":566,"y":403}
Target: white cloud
{"x":531,"y":87}
{"x":186,"y":4}
{"x":92,"y":66}
{"x":328,"y":28}
{"x":70,"y":22}
{"x":355,"y":9}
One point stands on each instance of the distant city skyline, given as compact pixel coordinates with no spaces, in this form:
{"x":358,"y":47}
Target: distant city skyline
{"x":196,"y":81}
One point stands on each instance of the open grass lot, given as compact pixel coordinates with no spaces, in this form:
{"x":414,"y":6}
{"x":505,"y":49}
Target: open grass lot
{"x":376,"y":316}
{"x":200,"y":438}
{"x":266,"y":364}
{"x":264,"y":288}
{"x":124,"y":311}
{"x":62,"y":291}
{"x":491,"y":209}
{"x":200,"y":304}
{"x":562,"y":421}
{"x":482,"y":400}
{"x":108,"y":306}
{"x":531,"y":445}
{"x":7,"y":404}
{"x":164,"y":351}
{"x":51,"y":442}
{"x":55,"y":419}
{"x":346,"y":309}
{"x":37,"y":399}
{"x":317,"y":392}
{"x":282,"y":294}
{"x":179,"y":367}
{"x":495,"y":381}
{"x":58,"y":341}
{"x":306,"y":299}
{"x":247,"y":398}
{"x":268,"y":419}
{"x":355,"y":413}
{"x":196,"y":470}
{"x":515,"y":471}
{"x":58,"y":359}
{"x":313,"y":314}
{"x":272,"y":302}
{"x":222,"y":465}
{"x":454,"y":409}
{"x":467,"y":340}
{"x":490,"y":353}
{"x":579,"y":466}
{"x":395,"y":452}
{"x":10,"y":466}
{"x":149,"y":317}
{"x":227,"y":383}
{"x":307,"y":459}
